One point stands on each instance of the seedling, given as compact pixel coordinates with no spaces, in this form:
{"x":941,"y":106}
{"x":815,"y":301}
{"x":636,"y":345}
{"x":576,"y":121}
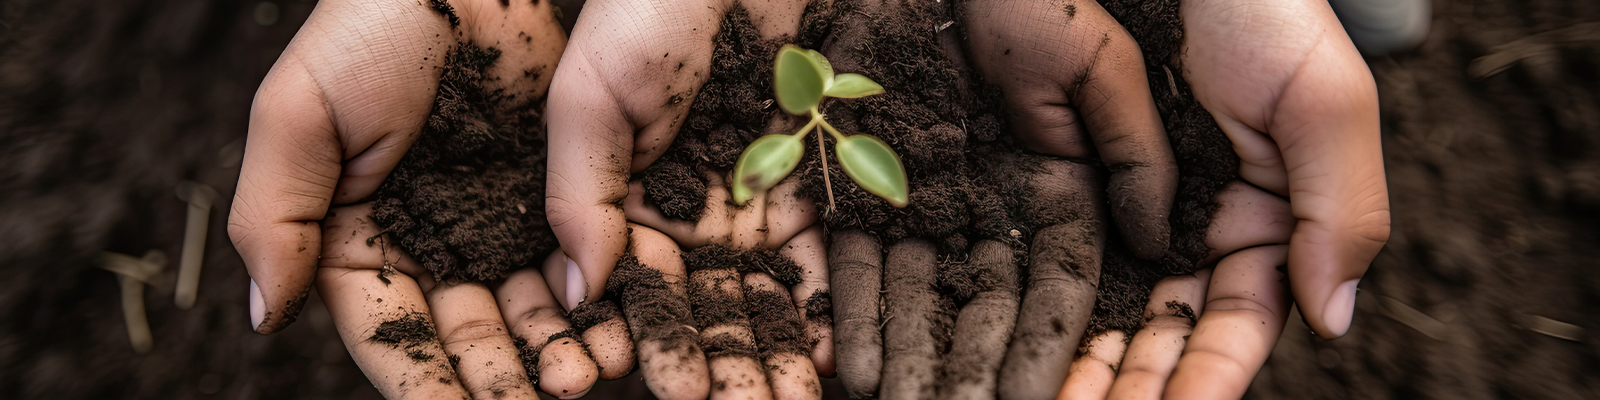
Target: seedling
{"x":801,"y":79}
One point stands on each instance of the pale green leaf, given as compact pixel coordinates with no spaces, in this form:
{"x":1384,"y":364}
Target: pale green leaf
{"x":798,"y":81}
{"x":823,"y":65}
{"x":766,"y":161}
{"x":873,"y":165}
{"x":850,"y":86}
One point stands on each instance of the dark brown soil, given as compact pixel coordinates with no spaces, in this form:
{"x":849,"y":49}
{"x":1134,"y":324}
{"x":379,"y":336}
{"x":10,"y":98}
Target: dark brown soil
{"x":467,"y":201}
{"x":408,"y":330}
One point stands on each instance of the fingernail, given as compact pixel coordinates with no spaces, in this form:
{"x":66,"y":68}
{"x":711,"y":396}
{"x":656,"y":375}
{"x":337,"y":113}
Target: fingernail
{"x":258,"y":306}
{"x":576,"y":289}
{"x":1341,"y":306}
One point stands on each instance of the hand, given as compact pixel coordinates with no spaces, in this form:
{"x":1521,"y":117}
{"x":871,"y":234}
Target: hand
{"x":1232,"y":311}
{"x":344,"y":102}
{"x":1075,"y":85}
{"x":1298,"y":103}
{"x":626,"y":83}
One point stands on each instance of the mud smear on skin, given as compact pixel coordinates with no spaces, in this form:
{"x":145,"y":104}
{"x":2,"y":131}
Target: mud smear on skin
{"x":467,"y":200}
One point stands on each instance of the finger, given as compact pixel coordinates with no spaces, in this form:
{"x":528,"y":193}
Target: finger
{"x":1244,"y":315}
{"x":651,"y":283}
{"x":606,"y":335}
{"x":912,"y":314}
{"x":983,"y":328}
{"x":476,"y":338}
{"x":1091,"y":374}
{"x":784,"y":351}
{"x":1090,"y":64}
{"x":381,"y":315}
{"x":614,"y":111}
{"x":299,"y":136}
{"x":811,"y":295}
{"x":855,"y":268}
{"x":554,"y":359}
{"x":716,"y":294}
{"x":1064,"y":270}
{"x":1246,"y":217}
{"x":1155,"y":348}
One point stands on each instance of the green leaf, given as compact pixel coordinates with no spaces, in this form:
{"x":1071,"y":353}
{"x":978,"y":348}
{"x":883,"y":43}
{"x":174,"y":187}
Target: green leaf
{"x":850,"y":86}
{"x":766,"y":161}
{"x":822,"y":61}
{"x":797,"y":80}
{"x":873,"y":165}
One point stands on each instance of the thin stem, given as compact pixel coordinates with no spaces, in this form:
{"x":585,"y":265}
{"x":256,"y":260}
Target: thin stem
{"x":822,"y":159}
{"x":815,"y":119}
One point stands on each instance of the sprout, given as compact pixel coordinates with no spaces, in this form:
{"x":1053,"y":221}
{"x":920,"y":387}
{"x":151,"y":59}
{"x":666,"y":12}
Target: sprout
{"x":802,"y":78}
{"x":132,"y":273}
{"x":200,"y":198}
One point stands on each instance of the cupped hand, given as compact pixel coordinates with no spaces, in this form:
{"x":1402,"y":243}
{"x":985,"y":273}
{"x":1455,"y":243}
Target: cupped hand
{"x":1291,"y":92}
{"x":622,"y":92}
{"x":1073,"y":81}
{"x":1285,"y":84}
{"x":335,"y":115}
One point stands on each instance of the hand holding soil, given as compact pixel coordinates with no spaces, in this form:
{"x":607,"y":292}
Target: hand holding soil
{"x":446,"y":95}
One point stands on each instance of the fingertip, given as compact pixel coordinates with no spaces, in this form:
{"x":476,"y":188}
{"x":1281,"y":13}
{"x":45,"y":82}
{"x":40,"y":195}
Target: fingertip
{"x":1339,"y":310}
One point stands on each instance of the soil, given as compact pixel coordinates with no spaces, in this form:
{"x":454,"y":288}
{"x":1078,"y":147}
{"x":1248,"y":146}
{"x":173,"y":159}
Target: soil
{"x":467,"y":201}
{"x":654,"y":312}
{"x":105,"y":106}
{"x":968,"y":180}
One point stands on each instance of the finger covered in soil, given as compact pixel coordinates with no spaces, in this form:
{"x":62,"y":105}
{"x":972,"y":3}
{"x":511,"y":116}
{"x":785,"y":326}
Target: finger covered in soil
{"x":1062,"y":276}
{"x":917,"y":320}
{"x":855,"y":269}
{"x":783,"y":343}
{"x":983,"y":326}
{"x":651,"y":285}
{"x":811,"y":295}
{"x":717,"y":296}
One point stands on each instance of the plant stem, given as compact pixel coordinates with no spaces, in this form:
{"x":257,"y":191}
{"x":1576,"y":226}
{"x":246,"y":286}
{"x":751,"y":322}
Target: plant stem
{"x":829,"y":127}
{"x":822,"y":158}
{"x":815,"y":119}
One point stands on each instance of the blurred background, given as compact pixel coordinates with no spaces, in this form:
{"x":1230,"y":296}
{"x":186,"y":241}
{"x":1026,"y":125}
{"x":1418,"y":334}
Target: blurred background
{"x":1488,"y":289}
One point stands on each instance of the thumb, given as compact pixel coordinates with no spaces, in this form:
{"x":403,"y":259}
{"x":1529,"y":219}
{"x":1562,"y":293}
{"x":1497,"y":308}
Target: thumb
{"x":1327,"y":128}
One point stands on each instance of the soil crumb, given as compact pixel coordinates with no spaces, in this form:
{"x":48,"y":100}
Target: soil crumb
{"x":819,"y":308}
{"x":467,"y":200}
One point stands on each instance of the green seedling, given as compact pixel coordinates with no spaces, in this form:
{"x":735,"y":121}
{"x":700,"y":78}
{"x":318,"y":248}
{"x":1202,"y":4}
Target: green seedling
{"x":801,"y":79}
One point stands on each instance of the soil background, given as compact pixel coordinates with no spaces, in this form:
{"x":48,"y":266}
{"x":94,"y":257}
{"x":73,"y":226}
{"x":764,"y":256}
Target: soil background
{"x":1487,"y":289}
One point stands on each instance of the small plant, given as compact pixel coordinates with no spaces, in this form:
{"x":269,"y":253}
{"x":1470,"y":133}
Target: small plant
{"x":801,"y":79}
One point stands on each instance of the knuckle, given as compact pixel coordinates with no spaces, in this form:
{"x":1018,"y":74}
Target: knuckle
{"x":473,"y":331}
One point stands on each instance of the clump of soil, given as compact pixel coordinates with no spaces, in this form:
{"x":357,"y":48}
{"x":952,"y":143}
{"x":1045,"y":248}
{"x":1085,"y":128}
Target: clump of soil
{"x":467,"y":200}
{"x":408,"y":332}
{"x":654,"y":313}
{"x":969,"y":180}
